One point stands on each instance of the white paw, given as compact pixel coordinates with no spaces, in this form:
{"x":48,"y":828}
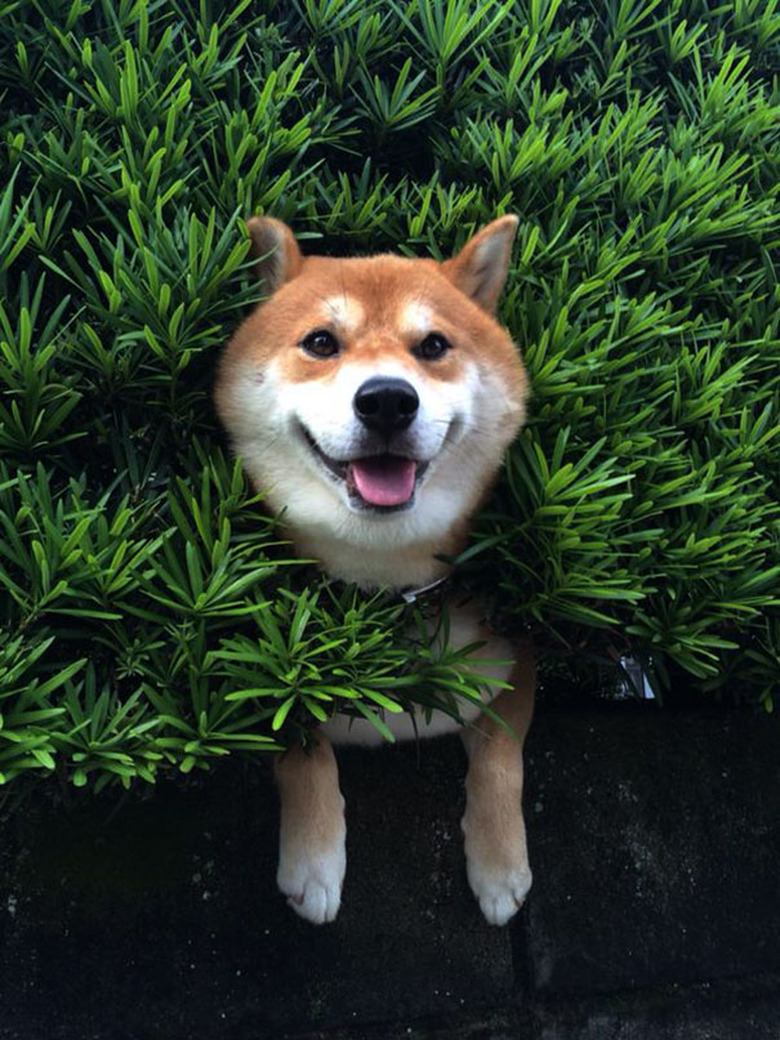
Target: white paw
{"x":500,"y":891}
{"x":312,"y":882}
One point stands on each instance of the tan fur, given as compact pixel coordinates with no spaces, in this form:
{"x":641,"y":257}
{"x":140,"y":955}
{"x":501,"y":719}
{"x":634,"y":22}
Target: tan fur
{"x":277,"y":401}
{"x":312,"y":828}
{"x":493,"y":826}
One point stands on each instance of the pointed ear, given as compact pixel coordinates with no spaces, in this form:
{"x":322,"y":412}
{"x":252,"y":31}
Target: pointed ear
{"x":480,"y":268}
{"x":278,"y":256}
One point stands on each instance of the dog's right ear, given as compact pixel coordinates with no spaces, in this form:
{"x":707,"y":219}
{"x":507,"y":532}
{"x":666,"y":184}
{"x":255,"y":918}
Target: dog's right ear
{"x":278,"y":257}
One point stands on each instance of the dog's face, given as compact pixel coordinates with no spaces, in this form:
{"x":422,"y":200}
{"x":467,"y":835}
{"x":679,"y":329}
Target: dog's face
{"x":372,"y":399}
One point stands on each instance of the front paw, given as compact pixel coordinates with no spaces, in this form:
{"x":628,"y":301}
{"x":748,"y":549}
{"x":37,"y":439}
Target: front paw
{"x":500,"y":889}
{"x":312,"y":880}
{"x":497,"y":863}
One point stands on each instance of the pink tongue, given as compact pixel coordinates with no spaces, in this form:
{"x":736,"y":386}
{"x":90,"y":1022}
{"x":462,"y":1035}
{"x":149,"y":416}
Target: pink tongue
{"x":384,"y":480}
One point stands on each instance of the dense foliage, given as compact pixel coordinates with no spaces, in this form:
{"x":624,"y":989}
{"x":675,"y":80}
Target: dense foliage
{"x":150,"y":614}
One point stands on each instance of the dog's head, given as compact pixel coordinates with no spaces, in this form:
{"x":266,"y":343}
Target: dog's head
{"x":373,"y":398}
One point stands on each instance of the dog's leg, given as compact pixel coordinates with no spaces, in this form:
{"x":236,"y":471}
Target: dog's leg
{"x":312,"y":853}
{"x":496,"y":854}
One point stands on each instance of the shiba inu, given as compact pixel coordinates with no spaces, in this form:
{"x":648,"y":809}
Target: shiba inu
{"x":372,"y":399}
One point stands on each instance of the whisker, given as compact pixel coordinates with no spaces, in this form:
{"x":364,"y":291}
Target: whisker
{"x":465,"y":426}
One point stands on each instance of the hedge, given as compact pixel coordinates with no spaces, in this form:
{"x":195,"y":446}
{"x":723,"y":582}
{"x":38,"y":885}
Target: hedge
{"x":151,"y":615}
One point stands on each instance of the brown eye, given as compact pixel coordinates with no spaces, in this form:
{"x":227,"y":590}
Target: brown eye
{"x":320,"y":343}
{"x":433,"y":347}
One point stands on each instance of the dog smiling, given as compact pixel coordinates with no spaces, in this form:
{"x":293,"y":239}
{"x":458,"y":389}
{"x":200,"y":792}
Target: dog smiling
{"x":372,"y":400}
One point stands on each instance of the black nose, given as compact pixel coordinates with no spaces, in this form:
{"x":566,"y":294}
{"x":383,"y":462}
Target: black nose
{"x":386,"y":405}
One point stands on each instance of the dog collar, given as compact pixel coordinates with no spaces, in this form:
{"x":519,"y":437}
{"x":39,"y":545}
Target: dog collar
{"x":412,"y":595}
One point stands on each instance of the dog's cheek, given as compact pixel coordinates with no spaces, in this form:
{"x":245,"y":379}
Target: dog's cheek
{"x":325,"y":407}
{"x":458,"y":399}
{"x":498,"y":409}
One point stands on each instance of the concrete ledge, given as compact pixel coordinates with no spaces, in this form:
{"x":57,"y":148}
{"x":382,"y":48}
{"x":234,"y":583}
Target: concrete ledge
{"x":733,"y":1010}
{"x":654,"y":839}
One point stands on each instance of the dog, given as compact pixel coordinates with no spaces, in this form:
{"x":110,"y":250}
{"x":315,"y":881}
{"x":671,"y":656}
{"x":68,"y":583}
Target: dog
{"x":372,"y":400}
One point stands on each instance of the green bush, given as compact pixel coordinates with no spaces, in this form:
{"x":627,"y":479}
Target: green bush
{"x":151,"y":615}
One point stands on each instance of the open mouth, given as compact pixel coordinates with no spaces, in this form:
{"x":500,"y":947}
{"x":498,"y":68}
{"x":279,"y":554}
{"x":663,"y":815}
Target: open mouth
{"x":383,"y":482}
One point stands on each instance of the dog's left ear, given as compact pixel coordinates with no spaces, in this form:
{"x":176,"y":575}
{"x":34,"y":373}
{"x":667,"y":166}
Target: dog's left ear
{"x":480,"y":268}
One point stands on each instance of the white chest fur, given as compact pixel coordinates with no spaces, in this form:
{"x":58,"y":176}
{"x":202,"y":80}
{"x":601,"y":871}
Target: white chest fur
{"x":465,"y":627}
